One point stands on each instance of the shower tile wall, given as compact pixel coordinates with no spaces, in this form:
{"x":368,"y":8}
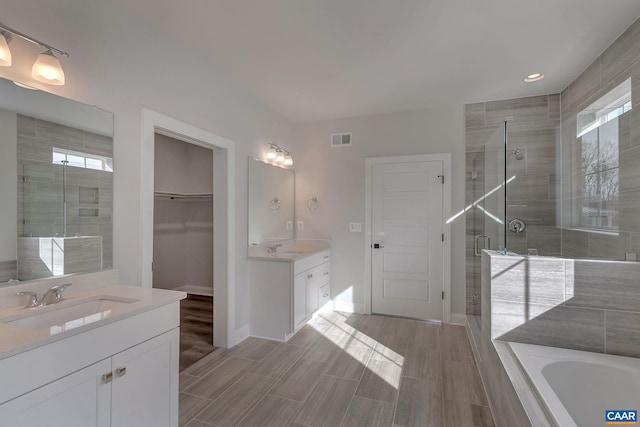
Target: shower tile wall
{"x":36,"y":140}
{"x":534,"y":128}
{"x":618,"y":63}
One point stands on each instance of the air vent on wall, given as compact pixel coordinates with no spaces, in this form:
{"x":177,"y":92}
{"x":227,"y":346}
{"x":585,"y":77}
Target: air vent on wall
{"x":341,"y":139}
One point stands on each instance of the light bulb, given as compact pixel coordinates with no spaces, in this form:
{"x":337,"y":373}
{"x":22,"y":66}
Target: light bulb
{"x":47,"y":69}
{"x":5,"y":52}
{"x":288,"y":160}
{"x":280,"y":156}
{"x":271,"y":153}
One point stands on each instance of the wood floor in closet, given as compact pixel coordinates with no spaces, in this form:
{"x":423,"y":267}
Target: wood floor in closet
{"x":196,"y":329}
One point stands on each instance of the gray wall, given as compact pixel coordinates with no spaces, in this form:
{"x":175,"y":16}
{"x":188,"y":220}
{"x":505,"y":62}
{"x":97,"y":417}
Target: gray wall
{"x":616,"y":64}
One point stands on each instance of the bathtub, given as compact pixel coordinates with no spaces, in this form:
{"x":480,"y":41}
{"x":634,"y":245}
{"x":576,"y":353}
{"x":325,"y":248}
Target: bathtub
{"x":576,"y":387}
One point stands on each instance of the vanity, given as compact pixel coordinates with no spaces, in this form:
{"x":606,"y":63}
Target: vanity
{"x":288,"y":286}
{"x":100,"y":357}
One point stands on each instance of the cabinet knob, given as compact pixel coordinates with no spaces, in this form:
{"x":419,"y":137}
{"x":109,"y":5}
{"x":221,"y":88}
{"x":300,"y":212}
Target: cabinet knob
{"x":326,"y":273}
{"x":325,"y":296}
{"x":309,"y":276}
{"x":121,"y":371}
{"x":326,"y":257}
{"x":106,"y":378}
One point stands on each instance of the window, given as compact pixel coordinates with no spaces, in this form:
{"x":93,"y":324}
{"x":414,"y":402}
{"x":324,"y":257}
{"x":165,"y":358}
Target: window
{"x":597,"y":185}
{"x":82,"y":160}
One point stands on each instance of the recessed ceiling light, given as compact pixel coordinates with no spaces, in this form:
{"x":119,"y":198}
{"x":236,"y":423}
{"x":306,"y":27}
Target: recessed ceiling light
{"x":534,"y":77}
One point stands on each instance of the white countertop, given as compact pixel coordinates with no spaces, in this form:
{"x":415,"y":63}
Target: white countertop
{"x":16,"y":339}
{"x":290,"y":251}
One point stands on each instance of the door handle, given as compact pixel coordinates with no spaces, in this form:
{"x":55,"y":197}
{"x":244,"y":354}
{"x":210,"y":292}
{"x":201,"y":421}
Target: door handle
{"x":476,"y":248}
{"x":378,"y":246}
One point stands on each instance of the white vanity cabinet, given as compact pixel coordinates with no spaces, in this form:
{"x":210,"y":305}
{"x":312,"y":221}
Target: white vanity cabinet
{"x":286,"y":293}
{"x":121,"y":374}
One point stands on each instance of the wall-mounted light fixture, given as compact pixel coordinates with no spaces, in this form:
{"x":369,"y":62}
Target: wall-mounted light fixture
{"x":46,"y":69}
{"x":279,"y":155}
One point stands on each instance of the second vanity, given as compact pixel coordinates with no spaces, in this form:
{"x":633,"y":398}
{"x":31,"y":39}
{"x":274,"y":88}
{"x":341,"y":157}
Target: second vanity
{"x":102,"y":357}
{"x":288,"y":286}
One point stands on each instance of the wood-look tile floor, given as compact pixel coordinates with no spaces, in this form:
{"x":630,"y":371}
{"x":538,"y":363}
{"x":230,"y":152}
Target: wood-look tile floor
{"x":196,"y":329}
{"x":341,"y":369}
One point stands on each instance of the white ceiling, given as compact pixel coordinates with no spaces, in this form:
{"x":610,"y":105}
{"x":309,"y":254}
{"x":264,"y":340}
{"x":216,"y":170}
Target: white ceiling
{"x":321,"y":59}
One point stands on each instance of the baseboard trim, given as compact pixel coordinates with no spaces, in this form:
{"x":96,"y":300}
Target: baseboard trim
{"x":458,"y":319}
{"x":241,"y":334}
{"x":348,"y":307}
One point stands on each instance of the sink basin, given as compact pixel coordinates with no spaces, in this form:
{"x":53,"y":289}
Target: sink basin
{"x":66,"y":316}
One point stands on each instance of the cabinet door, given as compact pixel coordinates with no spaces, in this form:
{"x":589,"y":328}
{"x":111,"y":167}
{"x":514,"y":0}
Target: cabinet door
{"x":299,"y":300}
{"x":79,"y":399}
{"x":145,"y":383}
{"x":313,"y":286}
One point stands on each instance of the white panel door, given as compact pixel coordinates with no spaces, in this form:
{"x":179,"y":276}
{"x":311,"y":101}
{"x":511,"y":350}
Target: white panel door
{"x":407,"y":225}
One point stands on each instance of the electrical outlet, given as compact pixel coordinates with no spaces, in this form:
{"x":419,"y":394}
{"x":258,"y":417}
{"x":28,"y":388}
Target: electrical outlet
{"x":289,"y":225}
{"x":355,"y":227}
{"x":300,"y":225}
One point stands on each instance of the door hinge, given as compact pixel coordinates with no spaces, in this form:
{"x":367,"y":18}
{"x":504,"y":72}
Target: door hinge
{"x":441,"y":178}
{"x":443,"y":237}
{"x":442,"y":294}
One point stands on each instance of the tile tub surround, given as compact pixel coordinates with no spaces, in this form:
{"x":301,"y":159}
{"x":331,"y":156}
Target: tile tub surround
{"x":510,"y":396}
{"x":588,"y":305}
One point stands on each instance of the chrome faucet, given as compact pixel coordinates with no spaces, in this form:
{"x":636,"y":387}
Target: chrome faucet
{"x":52,"y":296}
{"x":273,"y":249}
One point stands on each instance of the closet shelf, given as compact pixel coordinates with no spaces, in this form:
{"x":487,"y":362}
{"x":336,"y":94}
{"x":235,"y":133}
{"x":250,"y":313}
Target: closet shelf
{"x":183,"y":196}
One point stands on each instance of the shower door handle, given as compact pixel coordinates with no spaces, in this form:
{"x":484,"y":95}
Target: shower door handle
{"x":476,"y":248}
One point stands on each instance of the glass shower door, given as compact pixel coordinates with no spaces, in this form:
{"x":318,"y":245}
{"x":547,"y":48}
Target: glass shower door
{"x":493,"y":203}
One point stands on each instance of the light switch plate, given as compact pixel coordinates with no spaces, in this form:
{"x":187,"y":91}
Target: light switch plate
{"x":355,"y":227}
{"x":300,"y":225}
{"x":289,"y":225}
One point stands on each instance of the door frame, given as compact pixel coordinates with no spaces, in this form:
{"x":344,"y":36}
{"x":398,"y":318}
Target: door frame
{"x":224,"y":223}
{"x":370,"y":162}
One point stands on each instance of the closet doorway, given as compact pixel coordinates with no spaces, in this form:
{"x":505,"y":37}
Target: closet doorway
{"x":183,"y":238}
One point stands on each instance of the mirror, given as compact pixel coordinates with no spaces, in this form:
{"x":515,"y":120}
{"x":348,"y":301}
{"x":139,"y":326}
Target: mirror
{"x":56,"y":183}
{"x":271,"y":213}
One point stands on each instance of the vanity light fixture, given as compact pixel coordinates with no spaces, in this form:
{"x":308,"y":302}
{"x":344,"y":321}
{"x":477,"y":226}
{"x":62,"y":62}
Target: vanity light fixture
{"x":534,"y":77}
{"x":46,"y":69}
{"x":272,"y":153}
{"x":279,"y":155}
{"x":5,"y":52}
